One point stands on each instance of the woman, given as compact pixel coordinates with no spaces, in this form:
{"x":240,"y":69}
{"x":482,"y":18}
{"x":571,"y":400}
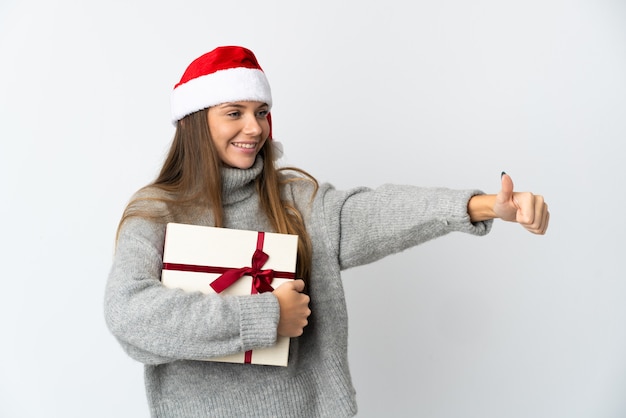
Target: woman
{"x":220,"y":171}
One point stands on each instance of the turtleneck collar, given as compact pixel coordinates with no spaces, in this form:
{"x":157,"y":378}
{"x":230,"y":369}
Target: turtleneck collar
{"x":238,"y":184}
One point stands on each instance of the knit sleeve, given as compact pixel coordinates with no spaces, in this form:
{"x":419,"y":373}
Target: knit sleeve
{"x":155,"y":324}
{"x":366,"y":224}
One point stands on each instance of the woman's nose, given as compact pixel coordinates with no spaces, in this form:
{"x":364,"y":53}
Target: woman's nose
{"x":252,"y":126}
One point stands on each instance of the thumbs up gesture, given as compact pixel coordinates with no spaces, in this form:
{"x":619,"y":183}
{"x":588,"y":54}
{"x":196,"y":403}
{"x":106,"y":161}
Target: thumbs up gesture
{"x":525,"y":208}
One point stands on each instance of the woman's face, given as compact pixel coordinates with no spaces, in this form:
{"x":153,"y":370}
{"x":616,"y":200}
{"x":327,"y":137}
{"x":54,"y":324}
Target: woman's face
{"x":238,"y":131}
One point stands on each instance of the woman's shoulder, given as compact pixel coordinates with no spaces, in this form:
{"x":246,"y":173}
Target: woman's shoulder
{"x":150,"y":202}
{"x":306,"y":191}
{"x":150,"y":192}
{"x":299,"y":183}
{"x":146,"y":215}
{"x":150,"y":198}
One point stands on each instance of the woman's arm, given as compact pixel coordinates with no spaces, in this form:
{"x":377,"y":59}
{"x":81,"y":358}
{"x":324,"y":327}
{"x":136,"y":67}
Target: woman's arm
{"x":156,"y":324}
{"x":363,"y":225}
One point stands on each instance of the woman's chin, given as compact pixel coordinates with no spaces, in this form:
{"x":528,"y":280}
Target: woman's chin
{"x":241,"y":163}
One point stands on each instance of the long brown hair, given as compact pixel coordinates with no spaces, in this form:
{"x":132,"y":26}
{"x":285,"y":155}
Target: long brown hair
{"x":191,"y":179}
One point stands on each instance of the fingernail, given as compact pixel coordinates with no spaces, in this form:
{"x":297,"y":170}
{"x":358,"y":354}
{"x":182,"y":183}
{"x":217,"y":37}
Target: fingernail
{"x":502,"y":175}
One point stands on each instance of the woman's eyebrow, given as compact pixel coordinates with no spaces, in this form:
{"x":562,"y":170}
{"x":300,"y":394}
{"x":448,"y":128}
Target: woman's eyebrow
{"x":224,"y":105}
{"x":240,"y":106}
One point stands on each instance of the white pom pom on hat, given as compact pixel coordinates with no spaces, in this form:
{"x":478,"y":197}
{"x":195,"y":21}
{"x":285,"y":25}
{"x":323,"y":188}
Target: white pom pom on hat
{"x":225,"y":74}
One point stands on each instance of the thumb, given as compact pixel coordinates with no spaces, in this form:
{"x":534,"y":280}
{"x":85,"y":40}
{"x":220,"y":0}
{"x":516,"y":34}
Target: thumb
{"x":298,"y":285}
{"x":506,"y":193}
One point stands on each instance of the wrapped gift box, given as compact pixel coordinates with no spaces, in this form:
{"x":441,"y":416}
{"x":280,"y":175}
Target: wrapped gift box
{"x":231,"y":262}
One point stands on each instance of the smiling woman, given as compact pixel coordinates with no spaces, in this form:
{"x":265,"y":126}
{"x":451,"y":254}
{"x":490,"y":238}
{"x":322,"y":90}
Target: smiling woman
{"x":220,"y":171}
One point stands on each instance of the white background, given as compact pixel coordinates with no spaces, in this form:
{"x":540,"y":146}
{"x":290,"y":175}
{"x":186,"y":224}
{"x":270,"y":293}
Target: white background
{"x":435,"y":93}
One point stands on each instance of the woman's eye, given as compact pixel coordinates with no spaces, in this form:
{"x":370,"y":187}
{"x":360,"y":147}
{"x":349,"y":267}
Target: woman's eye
{"x":233,"y":114}
{"x":263,"y":113}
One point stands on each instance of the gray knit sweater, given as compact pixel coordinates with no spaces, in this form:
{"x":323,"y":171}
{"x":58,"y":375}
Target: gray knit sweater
{"x":169,"y":330}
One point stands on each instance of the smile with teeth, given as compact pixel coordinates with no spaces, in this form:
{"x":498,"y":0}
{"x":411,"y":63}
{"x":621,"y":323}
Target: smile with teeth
{"x":244,"y":145}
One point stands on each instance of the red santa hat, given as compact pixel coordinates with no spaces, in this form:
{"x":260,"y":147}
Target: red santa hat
{"x":226,"y":74}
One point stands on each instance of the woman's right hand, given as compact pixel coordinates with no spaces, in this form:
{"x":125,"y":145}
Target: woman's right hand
{"x":294,"y":308}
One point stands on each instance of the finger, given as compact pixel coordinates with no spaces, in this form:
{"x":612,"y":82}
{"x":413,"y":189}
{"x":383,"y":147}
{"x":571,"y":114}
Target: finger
{"x":545,"y":218}
{"x":540,"y":214}
{"x":507,"y":186}
{"x":547,"y":222}
{"x":541,"y":217}
{"x":526,"y":208}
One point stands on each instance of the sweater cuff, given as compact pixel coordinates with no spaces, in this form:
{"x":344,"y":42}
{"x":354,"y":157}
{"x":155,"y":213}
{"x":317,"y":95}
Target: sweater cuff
{"x":259,"y":320}
{"x":459,"y":219}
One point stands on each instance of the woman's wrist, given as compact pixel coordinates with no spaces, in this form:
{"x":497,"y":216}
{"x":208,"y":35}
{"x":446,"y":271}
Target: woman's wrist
{"x":480,"y":207}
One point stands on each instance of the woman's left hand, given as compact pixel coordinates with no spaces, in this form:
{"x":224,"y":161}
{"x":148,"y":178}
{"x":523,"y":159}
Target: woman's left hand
{"x":525,"y":208}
